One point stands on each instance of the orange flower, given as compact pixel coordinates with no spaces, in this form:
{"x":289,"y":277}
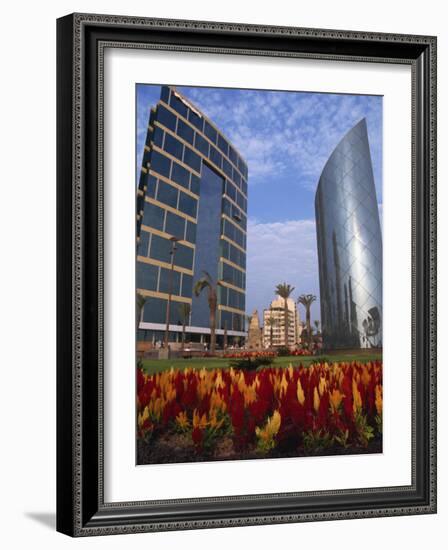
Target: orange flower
{"x":379,"y":400}
{"x":357,"y":399}
{"x":336,"y":398}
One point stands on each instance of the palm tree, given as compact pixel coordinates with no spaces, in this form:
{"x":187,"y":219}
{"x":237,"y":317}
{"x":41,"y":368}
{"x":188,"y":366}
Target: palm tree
{"x":284,"y":291}
{"x":140,"y":302}
{"x":184,"y":310}
{"x":316,"y":324}
{"x":306,"y":300}
{"x":224,"y":344}
{"x":271,"y":322}
{"x":212,"y":298}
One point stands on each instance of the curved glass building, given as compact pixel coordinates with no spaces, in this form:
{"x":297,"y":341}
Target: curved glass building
{"x":349,"y":246}
{"x":192,"y":192}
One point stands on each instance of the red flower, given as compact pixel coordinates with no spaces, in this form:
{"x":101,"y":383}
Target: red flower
{"x":198,"y":436}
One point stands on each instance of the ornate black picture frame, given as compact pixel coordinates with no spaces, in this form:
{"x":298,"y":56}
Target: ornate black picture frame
{"x":81,"y":509}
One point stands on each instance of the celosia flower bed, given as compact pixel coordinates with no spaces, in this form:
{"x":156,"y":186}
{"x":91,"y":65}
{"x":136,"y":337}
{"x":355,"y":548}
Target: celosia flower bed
{"x":301,"y":352}
{"x":250,"y":354}
{"x":228,"y":413}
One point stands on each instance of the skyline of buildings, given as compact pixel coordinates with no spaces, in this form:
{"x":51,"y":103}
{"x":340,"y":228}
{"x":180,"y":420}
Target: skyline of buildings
{"x":349,"y":246}
{"x":191,"y":220}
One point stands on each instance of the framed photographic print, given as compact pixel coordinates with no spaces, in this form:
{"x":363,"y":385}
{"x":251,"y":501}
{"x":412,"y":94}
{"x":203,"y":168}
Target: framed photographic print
{"x":246,"y":274}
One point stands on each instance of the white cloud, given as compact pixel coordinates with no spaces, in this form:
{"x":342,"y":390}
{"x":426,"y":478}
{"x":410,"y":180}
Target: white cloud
{"x":301,"y":129}
{"x":281,"y":252}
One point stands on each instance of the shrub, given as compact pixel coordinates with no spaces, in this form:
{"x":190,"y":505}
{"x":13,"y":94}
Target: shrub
{"x":251,"y":363}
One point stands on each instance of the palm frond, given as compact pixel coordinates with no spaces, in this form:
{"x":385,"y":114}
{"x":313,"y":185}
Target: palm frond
{"x":200,"y":285}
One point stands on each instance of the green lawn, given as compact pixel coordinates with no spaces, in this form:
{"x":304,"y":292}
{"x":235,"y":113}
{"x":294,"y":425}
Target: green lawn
{"x":152,"y":366}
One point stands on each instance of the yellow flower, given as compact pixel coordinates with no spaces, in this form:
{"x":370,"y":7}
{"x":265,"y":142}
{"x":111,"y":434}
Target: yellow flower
{"x":143,"y":416}
{"x":199,"y":421}
{"x":283,"y":385}
{"x":214,"y":422}
{"x":249,"y":394}
{"x":290,"y":371}
{"x":267,"y":434}
{"x":219,"y":382}
{"x":336,"y":398}
{"x":379,"y":400}
{"x":316,"y":400}
{"x":182,"y":420}
{"x":300,"y":394}
{"x":217,"y":402}
{"x":322,"y":385}
{"x":241,"y":382}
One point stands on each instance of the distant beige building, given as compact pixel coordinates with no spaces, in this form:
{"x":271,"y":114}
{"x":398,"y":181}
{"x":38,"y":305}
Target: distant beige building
{"x":274,"y":319}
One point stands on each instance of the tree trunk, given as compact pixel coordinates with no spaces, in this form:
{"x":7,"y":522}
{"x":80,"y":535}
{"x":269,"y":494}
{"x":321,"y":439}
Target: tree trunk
{"x":183,"y":336}
{"x":272,"y":335}
{"x":308,"y":321}
{"x":212,"y":305}
{"x":286,"y":324}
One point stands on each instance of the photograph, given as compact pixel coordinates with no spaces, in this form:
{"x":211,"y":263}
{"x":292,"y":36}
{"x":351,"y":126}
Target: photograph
{"x":258,"y":274}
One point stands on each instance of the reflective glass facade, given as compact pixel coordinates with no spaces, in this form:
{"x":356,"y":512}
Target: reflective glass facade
{"x":193,"y":186}
{"x":349,"y":246}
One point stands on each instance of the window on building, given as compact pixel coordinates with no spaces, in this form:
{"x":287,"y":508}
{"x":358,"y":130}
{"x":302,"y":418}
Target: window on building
{"x":196,"y":120}
{"x":160,"y":164}
{"x":201,"y":144}
{"x":160,"y":249}
{"x":185,"y":131}
{"x":210,"y":132}
{"x":230,"y":190}
{"x":167,"y":278}
{"x":190,"y":234}
{"x":154,"y":310}
{"x":227,"y":167}
{"x":180,"y":175}
{"x":192,"y":159}
{"x":184,"y":256}
{"x":166,"y":118}
{"x":175,"y":225}
{"x":173,"y":146}
{"x":153,"y":216}
{"x":215,"y":157}
{"x":232,"y":155}
{"x":187,"y":285}
{"x":195,"y":184}
{"x":223,"y":145}
{"x":224,"y":248}
{"x":222,"y":295}
{"x":165,"y":94}
{"x":237,"y":178}
{"x":167,"y":194}
{"x":142,"y":248}
{"x":158,"y":136}
{"x":151,"y":184}
{"x":178,"y":105}
{"x":226,"y":320}
{"x":146,"y":276}
{"x":188,"y":205}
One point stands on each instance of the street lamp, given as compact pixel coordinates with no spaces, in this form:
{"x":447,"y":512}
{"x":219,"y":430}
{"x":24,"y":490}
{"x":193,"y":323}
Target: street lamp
{"x":170,"y":290}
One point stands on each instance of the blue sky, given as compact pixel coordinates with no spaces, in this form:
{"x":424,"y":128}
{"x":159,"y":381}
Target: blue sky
{"x":286,"y":138}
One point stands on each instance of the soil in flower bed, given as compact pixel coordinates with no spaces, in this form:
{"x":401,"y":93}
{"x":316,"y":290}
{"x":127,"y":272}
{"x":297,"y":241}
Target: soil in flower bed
{"x":177,"y":448}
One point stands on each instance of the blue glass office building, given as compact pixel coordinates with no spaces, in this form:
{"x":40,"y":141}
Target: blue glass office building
{"x":193,"y":186}
{"x":349,"y":246}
